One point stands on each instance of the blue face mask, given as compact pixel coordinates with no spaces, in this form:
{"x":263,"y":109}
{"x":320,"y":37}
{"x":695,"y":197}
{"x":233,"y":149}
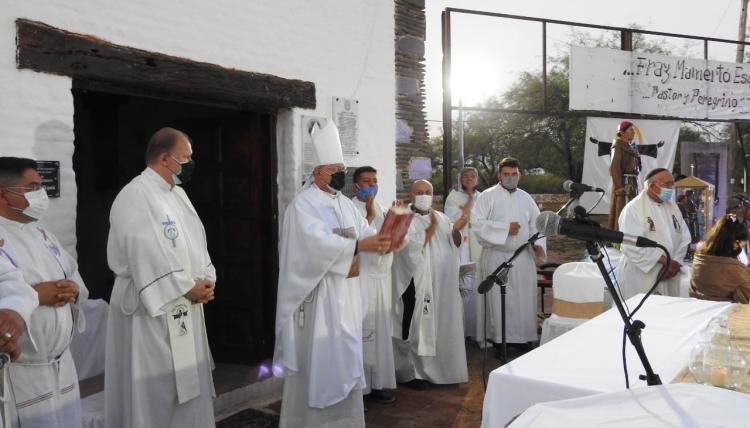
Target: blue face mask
{"x":365,"y":192}
{"x":666,"y":194}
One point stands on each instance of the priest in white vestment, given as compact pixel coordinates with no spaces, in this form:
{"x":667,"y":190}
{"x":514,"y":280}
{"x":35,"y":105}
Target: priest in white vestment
{"x":459,"y":203}
{"x":503,"y":219}
{"x":43,"y":383}
{"x":17,"y":302}
{"x":654,"y":215}
{"x":377,"y":328}
{"x":326,"y":251}
{"x":158,"y":364}
{"x":429,"y":341}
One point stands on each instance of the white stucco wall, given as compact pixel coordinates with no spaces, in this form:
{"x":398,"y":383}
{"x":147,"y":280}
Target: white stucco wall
{"x":344,"y":47}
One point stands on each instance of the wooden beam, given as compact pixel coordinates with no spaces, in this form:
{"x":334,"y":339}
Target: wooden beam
{"x":85,"y":58}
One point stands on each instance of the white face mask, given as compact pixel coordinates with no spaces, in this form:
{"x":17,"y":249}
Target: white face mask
{"x":423,"y":202}
{"x":38,"y":203}
{"x":510,"y":182}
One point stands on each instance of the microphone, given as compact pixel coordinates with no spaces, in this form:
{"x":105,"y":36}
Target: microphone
{"x":572,"y":186}
{"x":550,"y":224}
{"x":490,"y":281}
{"x":500,"y":275}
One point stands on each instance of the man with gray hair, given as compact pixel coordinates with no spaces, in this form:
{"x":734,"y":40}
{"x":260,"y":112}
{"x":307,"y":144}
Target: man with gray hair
{"x":654,"y":215}
{"x":158,"y":364}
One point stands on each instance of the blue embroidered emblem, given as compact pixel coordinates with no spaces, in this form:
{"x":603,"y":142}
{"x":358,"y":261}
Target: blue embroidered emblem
{"x":170,"y":231}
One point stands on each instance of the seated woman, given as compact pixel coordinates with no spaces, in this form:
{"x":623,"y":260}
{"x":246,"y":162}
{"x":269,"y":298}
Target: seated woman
{"x":717,"y":274}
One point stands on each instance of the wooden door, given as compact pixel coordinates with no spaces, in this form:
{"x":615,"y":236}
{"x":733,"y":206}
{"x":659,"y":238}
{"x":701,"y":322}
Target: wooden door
{"x":234,"y":191}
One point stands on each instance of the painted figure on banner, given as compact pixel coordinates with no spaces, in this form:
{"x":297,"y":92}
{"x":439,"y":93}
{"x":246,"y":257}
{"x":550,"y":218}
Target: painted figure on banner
{"x":158,"y":363}
{"x":624,"y":168}
{"x":326,"y":253}
{"x":429,"y":341}
{"x":503,"y":219}
{"x":458,"y":203}
{"x":42,"y":385}
{"x":653,"y":214}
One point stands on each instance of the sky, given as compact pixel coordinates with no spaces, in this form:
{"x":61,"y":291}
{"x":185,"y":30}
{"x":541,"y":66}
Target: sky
{"x":488,"y":53}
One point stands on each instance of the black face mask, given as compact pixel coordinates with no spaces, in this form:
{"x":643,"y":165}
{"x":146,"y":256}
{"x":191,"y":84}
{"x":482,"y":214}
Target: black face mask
{"x":186,"y":171}
{"x":338,"y":180}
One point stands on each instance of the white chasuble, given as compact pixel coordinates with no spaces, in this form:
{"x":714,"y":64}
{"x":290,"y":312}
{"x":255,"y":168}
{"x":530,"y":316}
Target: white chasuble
{"x":158,"y":367}
{"x":493,"y":212}
{"x":435,"y":349}
{"x":18,"y":296}
{"x":319,"y":311}
{"x":469,"y":255}
{"x":660,"y":222}
{"x":376,"y":330}
{"x":43,"y":382}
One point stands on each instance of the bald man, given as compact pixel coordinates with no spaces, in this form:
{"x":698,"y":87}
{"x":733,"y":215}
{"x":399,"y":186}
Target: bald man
{"x":427,"y":300}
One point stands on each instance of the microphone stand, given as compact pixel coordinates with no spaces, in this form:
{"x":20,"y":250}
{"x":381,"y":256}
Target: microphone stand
{"x":574,"y":196}
{"x":500,"y":277}
{"x":632,"y":329}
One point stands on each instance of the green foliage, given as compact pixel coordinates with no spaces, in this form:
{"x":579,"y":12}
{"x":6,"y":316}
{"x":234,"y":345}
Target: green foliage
{"x":537,"y":184}
{"x":553,"y":142}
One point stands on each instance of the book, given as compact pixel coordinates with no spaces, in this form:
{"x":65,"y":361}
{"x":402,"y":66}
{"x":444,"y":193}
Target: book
{"x":396,"y":225}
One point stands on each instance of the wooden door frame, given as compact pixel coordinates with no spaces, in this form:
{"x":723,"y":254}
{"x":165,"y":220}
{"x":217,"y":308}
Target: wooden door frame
{"x":107,"y":67}
{"x":100,"y":66}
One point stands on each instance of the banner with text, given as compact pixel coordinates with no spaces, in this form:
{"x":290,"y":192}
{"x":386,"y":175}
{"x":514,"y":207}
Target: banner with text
{"x":657,"y":149}
{"x":637,"y":82}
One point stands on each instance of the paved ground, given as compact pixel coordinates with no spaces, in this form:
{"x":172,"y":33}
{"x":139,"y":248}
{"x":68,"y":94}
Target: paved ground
{"x":439,"y":406}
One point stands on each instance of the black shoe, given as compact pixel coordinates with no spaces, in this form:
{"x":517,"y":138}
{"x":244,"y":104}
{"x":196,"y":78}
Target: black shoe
{"x":418,"y":384}
{"x":380,"y":396}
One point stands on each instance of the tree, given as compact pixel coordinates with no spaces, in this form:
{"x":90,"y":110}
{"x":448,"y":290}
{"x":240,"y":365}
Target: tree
{"x":553,"y":142}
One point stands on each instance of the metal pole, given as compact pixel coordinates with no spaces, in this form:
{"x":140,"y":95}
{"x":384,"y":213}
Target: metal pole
{"x":461,"y":159}
{"x":447,"y":104}
{"x":544,"y":66}
{"x":732,"y":143}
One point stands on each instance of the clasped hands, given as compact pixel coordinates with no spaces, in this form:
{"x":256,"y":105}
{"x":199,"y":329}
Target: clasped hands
{"x":672,"y":270}
{"x":202,"y":291}
{"x":57,"y":293}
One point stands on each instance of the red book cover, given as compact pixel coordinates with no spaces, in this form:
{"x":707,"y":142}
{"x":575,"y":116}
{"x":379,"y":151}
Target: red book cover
{"x":396,"y":225}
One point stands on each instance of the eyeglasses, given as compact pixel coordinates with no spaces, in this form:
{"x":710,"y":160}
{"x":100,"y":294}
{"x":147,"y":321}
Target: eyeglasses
{"x":20,"y":190}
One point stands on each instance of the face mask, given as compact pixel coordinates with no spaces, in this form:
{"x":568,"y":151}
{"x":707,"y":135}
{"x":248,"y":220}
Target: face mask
{"x":338,"y":180}
{"x":423,"y":202}
{"x":510,"y":182}
{"x":665,"y":194}
{"x":38,"y":203}
{"x":184,"y":173}
{"x":365,"y":192}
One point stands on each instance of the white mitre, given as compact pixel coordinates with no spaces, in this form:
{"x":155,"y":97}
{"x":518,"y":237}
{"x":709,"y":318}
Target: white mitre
{"x":327,"y":144}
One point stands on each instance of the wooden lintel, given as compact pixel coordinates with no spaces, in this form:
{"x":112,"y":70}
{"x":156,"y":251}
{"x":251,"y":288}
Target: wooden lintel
{"x":46,"y":49}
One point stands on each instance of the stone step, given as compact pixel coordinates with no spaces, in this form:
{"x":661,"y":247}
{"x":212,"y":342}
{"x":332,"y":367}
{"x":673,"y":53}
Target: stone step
{"x":237,"y":387}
